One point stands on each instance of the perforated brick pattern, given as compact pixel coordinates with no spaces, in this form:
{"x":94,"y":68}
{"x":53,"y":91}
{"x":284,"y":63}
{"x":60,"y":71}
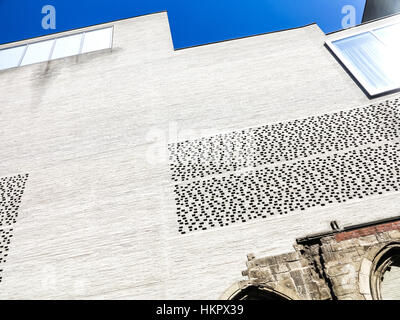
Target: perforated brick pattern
{"x":286,"y":167}
{"x":288,"y":187}
{"x":284,"y":141}
{"x":5,"y":239}
{"x":11,"y":191}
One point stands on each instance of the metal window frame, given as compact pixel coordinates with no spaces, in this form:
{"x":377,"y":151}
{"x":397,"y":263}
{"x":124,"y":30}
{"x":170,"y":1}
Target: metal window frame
{"x":83,"y":33}
{"x":111,"y":41}
{"x":357,"y":75}
{"x":22,"y":55}
{"x":33,"y":43}
{"x":66,"y":36}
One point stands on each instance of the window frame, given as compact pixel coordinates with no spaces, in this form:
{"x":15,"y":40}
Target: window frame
{"x":34,"y":43}
{"x":54,"y":39}
{"x":355,"y":73}
{"x":110,"y":42}
{"x":379,"y":266}
{"x":63,"y":37}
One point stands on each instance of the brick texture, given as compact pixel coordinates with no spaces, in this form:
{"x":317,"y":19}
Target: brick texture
{"x":367,"y":231}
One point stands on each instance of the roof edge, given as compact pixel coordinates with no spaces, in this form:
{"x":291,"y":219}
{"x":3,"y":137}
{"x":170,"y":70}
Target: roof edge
{"x":313,"y":238}
{"x":95,"y":26}
{"x":364,"y":24}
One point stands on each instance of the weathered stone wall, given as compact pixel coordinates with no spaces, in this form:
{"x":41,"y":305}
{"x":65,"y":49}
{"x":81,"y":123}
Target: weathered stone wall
{"x":338,"y":265}
{"x":293,"y":275}
{"x":348,"y":258}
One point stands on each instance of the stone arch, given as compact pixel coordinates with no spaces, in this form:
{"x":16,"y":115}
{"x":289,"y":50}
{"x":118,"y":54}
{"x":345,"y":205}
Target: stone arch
{"x":380,"y":265}
{"x":371,"y":269}
{"x":248,"y":291}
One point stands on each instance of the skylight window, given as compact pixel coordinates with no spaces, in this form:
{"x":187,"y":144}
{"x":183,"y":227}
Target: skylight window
{"x":10,"y":58}
{"x":61,"y":47}
{"x":97,"y":40}
{"x":37,"y":52}
{"x":389,"y":35}
{"x":371,"y":56}
{"x":67,"y":46}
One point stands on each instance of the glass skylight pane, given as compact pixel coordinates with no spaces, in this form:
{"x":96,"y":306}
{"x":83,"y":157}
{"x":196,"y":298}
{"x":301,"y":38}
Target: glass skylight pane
{"x":390,"y":35}
{"x":10,"y":58}
{"x":67,"y":46}
{"x":374,"y":64}
{"x":97,"y":40}
{"x":56,"y":48}
{"x":37,"y":52}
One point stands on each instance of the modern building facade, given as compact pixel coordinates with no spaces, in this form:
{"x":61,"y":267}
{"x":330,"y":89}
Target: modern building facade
{"x":140,"y":172}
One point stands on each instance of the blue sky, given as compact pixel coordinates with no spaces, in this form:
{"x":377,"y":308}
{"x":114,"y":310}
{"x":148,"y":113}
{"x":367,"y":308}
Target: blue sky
{"x":193,"y":22}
